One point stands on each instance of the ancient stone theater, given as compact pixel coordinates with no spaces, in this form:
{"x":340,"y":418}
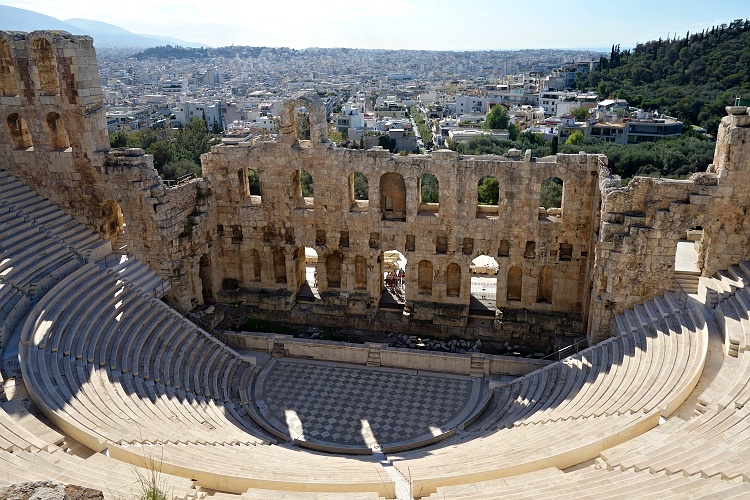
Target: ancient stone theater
{"x":640,"y":292}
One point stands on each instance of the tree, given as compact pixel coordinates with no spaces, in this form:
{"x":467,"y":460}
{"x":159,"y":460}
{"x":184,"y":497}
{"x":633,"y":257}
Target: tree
{"x":361,"y":189}
{"x":551,"y":193}
{"x":488,"y":191}
{"x":581,"y":113}
{"x":497,"y":118}
{"x":306,"y":183}
{"x":555,"y":144}
{"x":192,"y":141}
{"x":118,"y":139}
{"x":513,"y":131}
{"x":216,"y":130}
{"x":576,"y":138}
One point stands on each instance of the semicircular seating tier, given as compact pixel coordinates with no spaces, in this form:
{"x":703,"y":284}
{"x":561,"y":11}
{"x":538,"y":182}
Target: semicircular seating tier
{"x":659,"y":409}
{"x":568,"y":412}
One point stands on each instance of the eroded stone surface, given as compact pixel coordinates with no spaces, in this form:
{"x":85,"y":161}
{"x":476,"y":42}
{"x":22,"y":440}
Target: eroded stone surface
{"x":608,"y":248}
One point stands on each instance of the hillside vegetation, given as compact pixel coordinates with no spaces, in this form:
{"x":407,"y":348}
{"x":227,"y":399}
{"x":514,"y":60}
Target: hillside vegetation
{"x":692,"y":78}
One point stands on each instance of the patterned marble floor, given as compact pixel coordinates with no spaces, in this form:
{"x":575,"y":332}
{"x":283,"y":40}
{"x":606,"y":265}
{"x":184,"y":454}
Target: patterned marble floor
{"x":354,"y":406}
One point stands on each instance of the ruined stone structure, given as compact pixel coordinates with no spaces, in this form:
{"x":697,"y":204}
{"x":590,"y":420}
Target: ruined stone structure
{"x":607,"y":248}
{"x":125,"y":380}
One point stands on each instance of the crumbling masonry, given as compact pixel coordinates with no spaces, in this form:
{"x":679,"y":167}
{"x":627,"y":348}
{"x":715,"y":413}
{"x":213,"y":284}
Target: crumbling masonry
{"x":607,"y":248}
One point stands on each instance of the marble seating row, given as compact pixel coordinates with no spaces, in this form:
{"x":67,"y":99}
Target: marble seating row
{"x":118,"y":370}
{"x":570,"y":411}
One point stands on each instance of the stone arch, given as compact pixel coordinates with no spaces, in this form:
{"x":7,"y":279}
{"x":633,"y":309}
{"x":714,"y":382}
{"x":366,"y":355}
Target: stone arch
{"x":317,"y":114}
{"x":552,"y":196}
{"x":254,"y":258}
{"x":515,"y":284}
{"x":359,"y":192}
{"x":304,"y":192}
{"x":360,"y":272}
{"x":393,"y":196}
{"x":503,"y":250}
{"x":546,"y":283}
{"x":488,"y":195}
{"x":113,"y":222}
{"x":46,"y":66}
{"x":483,"y":271}
{"x":279,"y":266}
{"x":8,"y":82}
{"x":58,"y":135}
{"x":333,"y":270}
{"x":19,"y":132}
{"x":453,"y":288}
{"x":424,"y":277}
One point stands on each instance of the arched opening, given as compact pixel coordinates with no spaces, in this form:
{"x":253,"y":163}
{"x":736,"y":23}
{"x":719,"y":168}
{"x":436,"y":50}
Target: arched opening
{"x":359,"y":192}
{"x":279,"y":266}
{"x":687,"y":259}
{"x":424,"y":277}
{"x":19,"y":132}
{"x":205,"y":275}
{"x":488,"y":195}
{"x":308,"y":290}
{"x":8,"y":83}
{"x":333,"y":270}
{"x":393,"y":196}
{"x":429,"y":194}
{"x":112,"y":226}
{"x":302,"y":122}
{"x":483,"y":300}
{"x":546,"y":283}
{"x":551,"y":198}
{"x":503,"y":250}
{"x":393,"y":271}
{"x":303,"y":189}
{"x":453,"y":281}
{"x":360,"y":272}
{"x":515,"y":284}
{"x":254,"y":259}
{"x":58,"y":135}
{"x":253,"y":182}
{"x":46,"y":66}
{"x":530,"y":250}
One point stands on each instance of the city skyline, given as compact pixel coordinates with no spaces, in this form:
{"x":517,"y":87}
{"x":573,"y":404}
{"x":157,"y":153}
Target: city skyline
{"x":411,"y":24}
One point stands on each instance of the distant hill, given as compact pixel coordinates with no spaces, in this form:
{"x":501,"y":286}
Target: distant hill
{"x":692,"y":78}
{"x":105,"y":35}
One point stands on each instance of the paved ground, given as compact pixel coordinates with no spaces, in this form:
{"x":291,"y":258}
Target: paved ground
{"x":351,"y":405}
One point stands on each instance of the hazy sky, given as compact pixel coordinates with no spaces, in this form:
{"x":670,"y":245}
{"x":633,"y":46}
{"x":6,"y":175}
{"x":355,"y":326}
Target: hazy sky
{"x":408,"y":24}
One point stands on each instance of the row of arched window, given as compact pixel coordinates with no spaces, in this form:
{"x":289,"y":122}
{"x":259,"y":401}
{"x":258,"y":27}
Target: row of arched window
{"x":44,"y":61}
{"x":425,"y":276}
{"x":393,"y":192}
{"x":20,"y":135}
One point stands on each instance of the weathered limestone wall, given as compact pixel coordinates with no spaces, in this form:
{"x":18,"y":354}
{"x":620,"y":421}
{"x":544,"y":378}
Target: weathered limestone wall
{"x":608,"y":248}
{"x":262,"y":238}
{"x":53,"y":135}
{"x":642,"y":223}
{"x":52,"y":116}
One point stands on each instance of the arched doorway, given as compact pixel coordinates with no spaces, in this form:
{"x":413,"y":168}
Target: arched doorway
{"x":687,"y":259}
{"x":308,"y":290}
{"x":112,"y":226}
{"x":393,"y":272}
{"x":483,"y":300}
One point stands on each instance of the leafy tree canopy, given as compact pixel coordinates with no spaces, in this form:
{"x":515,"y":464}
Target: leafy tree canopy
{"x":692,"y":77}
{"x":497,"y":118}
